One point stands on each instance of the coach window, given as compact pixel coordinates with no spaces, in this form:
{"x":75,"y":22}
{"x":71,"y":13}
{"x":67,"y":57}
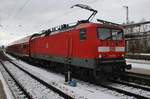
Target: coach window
{"x":82,"y":34}
{"x":21,"y":45}
{"x":24,"y":46}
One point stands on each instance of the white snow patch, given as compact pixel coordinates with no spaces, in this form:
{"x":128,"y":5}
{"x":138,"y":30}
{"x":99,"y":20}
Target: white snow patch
{"x":139,"y":63}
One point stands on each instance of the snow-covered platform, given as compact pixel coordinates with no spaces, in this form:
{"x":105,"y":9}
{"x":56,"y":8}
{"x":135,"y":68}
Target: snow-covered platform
{"x":139,"y":66}
{"x":7,"y":92}
{"x":2,"y":93}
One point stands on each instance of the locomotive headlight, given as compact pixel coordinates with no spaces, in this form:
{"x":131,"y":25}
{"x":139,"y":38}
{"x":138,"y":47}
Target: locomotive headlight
{"x":100,"y":55}
{"x":122,"y":55}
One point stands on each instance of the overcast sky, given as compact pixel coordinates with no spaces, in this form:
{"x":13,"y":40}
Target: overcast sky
{"x":19,"y":18}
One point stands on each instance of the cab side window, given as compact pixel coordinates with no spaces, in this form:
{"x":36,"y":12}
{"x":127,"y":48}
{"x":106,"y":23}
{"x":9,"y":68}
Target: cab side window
{"x":82,"y":34}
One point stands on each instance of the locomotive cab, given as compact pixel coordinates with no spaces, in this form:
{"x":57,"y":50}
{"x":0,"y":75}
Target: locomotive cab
{"x":110,"y":50}
{"x":111,"y":43}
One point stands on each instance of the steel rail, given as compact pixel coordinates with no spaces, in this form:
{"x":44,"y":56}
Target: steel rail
{"x":132,"y":85}
{"x":124,"y":92}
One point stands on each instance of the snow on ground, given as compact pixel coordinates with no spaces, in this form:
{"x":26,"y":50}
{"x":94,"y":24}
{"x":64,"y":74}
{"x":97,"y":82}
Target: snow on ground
{"x":83,"y":90}
{"x":35,"y":88}
{"x":80,"y":92}
{"x":143,"y":64}
{"x":6,"y":88}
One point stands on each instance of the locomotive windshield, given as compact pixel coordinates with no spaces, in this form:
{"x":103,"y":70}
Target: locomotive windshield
{"x":110,"y":34}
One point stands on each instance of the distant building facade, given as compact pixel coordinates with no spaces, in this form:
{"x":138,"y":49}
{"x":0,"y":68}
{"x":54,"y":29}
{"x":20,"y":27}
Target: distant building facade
{"x":137,"y":37}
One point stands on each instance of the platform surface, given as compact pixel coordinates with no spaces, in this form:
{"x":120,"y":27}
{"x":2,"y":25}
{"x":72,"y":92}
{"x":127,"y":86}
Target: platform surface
{"x":2,"y":93}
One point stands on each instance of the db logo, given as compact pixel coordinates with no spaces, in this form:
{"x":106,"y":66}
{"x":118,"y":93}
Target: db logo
{"x":112,"y":49}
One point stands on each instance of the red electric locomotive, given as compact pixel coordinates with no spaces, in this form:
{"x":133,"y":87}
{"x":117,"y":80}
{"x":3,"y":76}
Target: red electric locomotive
{"x":86,"y":48}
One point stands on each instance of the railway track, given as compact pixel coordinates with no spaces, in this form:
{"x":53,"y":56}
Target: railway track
{"x":15,"y":87}
{"x":137,"y":78}
{"x":130,"y":81}
{"x":61,"y":93}
{"x":126,"y":92}
{"x":15,"y":71}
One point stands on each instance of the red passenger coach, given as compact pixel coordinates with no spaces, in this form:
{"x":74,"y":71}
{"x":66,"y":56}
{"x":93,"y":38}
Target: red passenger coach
{"x":20,"y":47}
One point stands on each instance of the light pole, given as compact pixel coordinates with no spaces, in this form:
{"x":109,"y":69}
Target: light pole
{"x":0,"y":22}
{"x":127,"y":14}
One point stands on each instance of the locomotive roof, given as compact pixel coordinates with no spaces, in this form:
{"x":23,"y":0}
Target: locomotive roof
{"x":79,"y":26}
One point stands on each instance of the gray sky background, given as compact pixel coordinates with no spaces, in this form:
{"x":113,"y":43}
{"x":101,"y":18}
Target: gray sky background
{"x":19,"y":18}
